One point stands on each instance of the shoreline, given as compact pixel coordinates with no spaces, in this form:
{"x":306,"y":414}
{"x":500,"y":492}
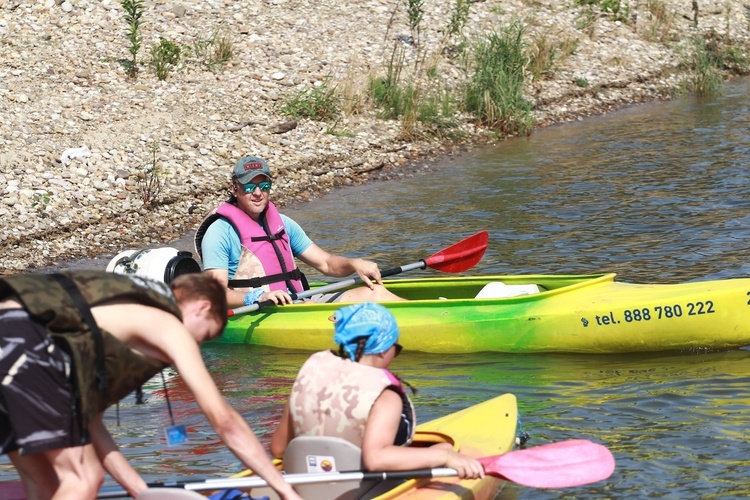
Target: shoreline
{"x":62,"y":87}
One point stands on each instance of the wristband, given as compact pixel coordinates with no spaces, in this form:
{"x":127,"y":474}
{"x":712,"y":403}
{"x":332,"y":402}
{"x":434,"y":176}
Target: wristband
{"x":253,"y":296}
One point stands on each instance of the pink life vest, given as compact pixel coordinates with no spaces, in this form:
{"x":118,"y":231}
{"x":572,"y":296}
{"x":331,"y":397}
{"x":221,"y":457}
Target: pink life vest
{"x":266,"y":259}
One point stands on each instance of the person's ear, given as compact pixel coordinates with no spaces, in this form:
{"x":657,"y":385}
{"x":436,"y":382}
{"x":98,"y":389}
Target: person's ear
{"x":204,"y":307}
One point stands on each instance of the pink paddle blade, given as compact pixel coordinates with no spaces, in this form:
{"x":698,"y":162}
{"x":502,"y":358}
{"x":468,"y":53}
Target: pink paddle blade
{"x":556,"y":465}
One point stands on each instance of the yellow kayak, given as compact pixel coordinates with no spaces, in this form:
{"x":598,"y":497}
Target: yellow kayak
{"x":486,"y":429}
{"x":529,"y":313}
{"x":330,"y":468}
{"x":482,"y":430}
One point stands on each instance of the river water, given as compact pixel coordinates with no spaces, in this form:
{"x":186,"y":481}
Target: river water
{"x":656,"y":193}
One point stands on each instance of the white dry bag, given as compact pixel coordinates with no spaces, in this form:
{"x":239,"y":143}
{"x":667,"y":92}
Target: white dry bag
{"x":161,"y":264}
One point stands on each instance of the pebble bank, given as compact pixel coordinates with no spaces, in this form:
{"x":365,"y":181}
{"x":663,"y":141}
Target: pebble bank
{"x":76,"y":132}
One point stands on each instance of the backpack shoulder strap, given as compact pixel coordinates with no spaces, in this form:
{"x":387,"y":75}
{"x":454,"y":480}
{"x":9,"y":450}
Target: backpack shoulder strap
{"x":69,"y":286}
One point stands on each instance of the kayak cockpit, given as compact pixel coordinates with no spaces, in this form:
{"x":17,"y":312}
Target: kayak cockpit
{"x":316,"y":455}
{"x":491,"y":287}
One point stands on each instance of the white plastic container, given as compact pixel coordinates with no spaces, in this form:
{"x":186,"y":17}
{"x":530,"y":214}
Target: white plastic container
{"x":499,"y":290}
{"x":161,"y":264}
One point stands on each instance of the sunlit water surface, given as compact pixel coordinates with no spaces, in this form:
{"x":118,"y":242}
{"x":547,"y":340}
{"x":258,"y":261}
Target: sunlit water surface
{"x":656,"y":193}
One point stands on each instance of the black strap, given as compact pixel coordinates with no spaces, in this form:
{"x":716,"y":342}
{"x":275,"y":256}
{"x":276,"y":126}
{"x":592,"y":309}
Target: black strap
{"x":269,"y":236}
{"x":272,"y":238}
{"x":83,"y":307}
{"x":259,"y":281}
{"x":166,"y":396}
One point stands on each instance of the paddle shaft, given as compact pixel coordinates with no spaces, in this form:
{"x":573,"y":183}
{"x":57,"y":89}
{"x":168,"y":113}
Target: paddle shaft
{"x":293,"y":479}
{"x":331,"y":287}
{"x":324,"y":477}
{"x":457,"y":258}
{"x":556,"y":465}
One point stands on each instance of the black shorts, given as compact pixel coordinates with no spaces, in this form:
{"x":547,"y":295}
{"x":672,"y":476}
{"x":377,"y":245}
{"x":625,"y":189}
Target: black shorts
{"x":37,"y":409}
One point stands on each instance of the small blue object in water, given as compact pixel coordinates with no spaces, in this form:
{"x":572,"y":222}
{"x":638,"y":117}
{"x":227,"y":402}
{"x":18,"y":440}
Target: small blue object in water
{"x":177,"y":434}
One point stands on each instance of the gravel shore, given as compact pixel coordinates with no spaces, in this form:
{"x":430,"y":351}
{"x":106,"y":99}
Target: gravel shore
{"x":63,"y":88}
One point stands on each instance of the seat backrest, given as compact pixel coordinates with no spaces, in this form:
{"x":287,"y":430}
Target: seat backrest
{"x":320,"y":454}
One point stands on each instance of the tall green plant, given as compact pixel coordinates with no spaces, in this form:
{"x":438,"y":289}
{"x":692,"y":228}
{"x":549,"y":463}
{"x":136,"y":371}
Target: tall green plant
{"x":149,"y":182}
{"x":707,"y":78}
{"x":164,"y":57}
{"x":495,"y":92}
{"x":387,"y":92}
{"x":617,"y":9}
{"x":319,"y":103}
{"x":459,"y":17}
{"x":661,"y":19}
{"x":415,"y":12}
{"x":213,"y":52}
{"x":134,"y":10}
{"x":454,"y":30}
{"x":436,"y":111}
{"x":546,"y":51}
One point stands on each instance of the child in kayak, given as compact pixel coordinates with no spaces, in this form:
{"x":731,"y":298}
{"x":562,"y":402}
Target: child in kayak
{"x":351,"y":394}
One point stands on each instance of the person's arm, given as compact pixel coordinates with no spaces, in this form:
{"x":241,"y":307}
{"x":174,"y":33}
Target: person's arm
{"x":283,"y":434}
{"x":113,"y":459}
{"x":229,"y":425}
{"x":160,"y":335}
{"x":235,"y":298}
{"x":339,"y":266}
{"x":380,"y":454}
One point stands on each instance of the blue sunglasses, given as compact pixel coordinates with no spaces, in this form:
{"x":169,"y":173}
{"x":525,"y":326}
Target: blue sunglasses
{"x":250,"y":187}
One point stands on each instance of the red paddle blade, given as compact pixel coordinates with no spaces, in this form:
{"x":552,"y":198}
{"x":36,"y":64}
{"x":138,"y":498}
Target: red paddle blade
{"x":556,"y":465}
{"x":461,"y":256}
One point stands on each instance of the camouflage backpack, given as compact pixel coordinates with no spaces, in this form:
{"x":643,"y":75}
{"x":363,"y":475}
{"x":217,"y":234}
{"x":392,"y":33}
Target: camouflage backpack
{"x":105,"y":371}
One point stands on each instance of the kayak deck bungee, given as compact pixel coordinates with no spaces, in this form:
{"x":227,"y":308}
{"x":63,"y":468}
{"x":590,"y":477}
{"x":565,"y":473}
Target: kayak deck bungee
{"x":568,"y":313}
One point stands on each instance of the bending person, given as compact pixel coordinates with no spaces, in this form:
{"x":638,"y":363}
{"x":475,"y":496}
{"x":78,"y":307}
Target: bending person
{"x":380,"y":419}
{"x":250,"y":247}
{"x":74,"y":343}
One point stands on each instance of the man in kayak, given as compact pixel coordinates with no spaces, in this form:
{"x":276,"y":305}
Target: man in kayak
{"x":74,"y":343}
{"x":364,"y":403}
{"x":250,"y":247}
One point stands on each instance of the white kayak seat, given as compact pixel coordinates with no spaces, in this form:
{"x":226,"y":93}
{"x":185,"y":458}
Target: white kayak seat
{"x":499,"y":290}
{"x":169,"y":494}
{"x":319,"y":454}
